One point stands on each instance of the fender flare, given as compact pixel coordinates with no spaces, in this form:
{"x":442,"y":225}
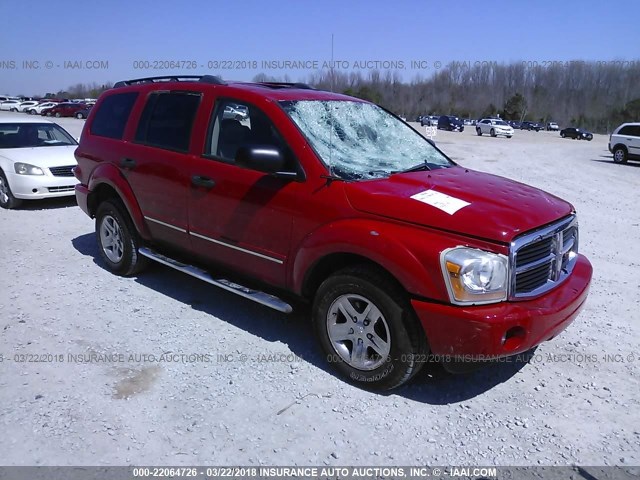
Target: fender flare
{"x":108,"y":174}
{"x":379,"y":242}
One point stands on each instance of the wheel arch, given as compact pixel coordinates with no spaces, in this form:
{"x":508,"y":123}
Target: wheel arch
{"x":326,"y":266}
{"x":106,"y":182}
{"x":620,"y":145}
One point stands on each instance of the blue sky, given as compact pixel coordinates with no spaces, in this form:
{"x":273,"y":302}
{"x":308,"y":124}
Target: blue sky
{"x":237,"y":34}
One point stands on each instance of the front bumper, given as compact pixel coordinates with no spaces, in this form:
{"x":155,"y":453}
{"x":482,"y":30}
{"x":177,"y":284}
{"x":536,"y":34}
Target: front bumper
{"x":477,"y":333}
{"x":32,"y":187}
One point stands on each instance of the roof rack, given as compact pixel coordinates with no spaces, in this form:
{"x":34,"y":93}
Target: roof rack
{"x":303,"y":86}
{"x":212,"y":79}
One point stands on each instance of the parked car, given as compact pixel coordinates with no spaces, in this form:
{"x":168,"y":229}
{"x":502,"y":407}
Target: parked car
{"x":624,"y":142}
{"x":494,"y":128}
{"x":530,"y":126}
{"x":24,"y":106}
{"x":84,"y":113}
{"x":450,"y":123}
{"x":515,"y":125}
{"x":10,"y":105}
{"x":36,"y":159}
{"x":236,"y":112}
{"x":576,"y":134}
{"x":37,"y":109}
{"x":332,"y":200}
{"x":430,"y":121}
{"x":552,"y":126}
{"x":63,"y":110}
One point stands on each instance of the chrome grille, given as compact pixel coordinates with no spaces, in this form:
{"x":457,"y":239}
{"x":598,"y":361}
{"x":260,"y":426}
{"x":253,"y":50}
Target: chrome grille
{"x":543,"y":258}
{"x":62,"y":171}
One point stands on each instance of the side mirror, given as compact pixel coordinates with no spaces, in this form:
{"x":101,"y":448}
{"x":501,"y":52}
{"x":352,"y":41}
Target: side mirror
{"x":263,"y":158}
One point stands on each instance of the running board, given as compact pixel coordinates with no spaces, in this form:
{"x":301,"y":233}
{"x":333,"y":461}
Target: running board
{"x":255,"y":295}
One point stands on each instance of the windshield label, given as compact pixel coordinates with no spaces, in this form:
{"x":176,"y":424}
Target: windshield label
{"x":442,"y":201}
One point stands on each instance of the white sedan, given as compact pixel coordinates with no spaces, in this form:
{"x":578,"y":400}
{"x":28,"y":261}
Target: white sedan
{"x":10,"y":105}
{"x":24,"y":106}
{"x":494,"y":127}
{"x":36,"y":161}
{"x":37,"y":109}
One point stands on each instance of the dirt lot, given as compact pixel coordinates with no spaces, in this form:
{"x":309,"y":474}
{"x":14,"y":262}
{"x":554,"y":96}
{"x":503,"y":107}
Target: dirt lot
{"x":241,"y":384}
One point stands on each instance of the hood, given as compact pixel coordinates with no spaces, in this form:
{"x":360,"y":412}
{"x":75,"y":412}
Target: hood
{"x":43,"y":157}
{"x":459,"y":200}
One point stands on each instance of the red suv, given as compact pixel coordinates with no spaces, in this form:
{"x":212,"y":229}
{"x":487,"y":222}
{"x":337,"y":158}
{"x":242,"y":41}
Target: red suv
{"x":403,"y":254}
{"x":64,"y":110}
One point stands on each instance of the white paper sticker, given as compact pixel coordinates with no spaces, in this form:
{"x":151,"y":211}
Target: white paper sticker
{"x":442,"y":201}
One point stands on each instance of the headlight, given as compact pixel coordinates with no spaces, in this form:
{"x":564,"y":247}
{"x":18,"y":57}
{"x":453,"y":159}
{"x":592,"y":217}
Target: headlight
{"x":474,"y":276}
{"x":27,"y":169}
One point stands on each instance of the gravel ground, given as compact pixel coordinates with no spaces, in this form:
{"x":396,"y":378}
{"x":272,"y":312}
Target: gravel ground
{"x":200,"y":376}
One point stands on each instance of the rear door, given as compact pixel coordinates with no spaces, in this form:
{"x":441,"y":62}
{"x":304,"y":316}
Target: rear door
{"x":155,"y":163}
{"x":632,"y":139}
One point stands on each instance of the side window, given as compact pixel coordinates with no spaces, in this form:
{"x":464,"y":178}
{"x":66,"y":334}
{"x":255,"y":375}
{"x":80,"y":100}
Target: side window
{"x":626,"y":130}
{"x":636,"y":131}
{"x":167,"y":120}
{"x":236,"y":124}
{"x":111,"y":118}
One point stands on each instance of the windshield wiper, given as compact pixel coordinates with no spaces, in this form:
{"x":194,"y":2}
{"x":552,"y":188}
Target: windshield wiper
{"x":415,"y":168}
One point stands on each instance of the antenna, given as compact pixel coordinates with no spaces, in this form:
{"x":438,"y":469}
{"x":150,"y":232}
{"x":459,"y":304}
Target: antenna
{"x":331,"y":114}
{"x":332,"y":64}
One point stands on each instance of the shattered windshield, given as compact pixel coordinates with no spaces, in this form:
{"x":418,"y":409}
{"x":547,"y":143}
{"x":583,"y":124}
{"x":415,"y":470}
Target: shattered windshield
{"x":362,"y":141}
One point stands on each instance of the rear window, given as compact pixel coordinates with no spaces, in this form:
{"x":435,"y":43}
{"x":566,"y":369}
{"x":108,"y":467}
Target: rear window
{"x":631,"y":130}
{"x":167,"y":120}
{"x":112,"y":115}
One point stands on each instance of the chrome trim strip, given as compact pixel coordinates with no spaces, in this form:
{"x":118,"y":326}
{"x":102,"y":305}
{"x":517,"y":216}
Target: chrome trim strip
{"x":276,"y":260}
{"x":165,"y":224}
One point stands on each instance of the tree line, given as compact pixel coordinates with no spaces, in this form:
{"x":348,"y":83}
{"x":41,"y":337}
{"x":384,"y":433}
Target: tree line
{"x":593,"y":95}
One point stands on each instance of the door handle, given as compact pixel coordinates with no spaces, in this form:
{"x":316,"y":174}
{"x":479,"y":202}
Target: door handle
{"x":127,"y":163}
{"x":200,"y":181}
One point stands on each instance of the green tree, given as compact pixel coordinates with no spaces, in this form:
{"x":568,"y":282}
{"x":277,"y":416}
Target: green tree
{"x":515,"y":107}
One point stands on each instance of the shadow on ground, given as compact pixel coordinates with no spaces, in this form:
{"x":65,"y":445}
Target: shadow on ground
{"x":609,"y":159}
{"x":433,"y":385}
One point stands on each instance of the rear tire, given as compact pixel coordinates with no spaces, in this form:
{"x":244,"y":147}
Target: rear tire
{"x":492,"y":132}
{"x":118,"y":240}
{"x":7,"y":200}
{"x":79,"y":116}
{"x":620,"y":155}
{"x":368,"y":329}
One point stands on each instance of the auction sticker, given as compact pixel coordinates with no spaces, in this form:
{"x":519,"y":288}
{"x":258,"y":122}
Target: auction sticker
{"x":442,"y":201}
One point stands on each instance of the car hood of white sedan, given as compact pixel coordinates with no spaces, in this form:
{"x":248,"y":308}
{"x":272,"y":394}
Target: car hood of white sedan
{"x":44,"y":157}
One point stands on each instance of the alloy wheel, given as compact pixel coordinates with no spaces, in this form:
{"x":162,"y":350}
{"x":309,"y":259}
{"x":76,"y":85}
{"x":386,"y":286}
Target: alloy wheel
{"x":111,"y":239}
{"x":358,"y":332}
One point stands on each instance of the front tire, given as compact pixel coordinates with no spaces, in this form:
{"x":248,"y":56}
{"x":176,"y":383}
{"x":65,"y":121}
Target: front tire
{"x":79,"y":116}
{"x":479,"y":132}
{"x":492,"y":132}
{"x":118,"y":241}
{"x":620,"y":155}
{"x":367,"y":328}
{"x":7,"y":200}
